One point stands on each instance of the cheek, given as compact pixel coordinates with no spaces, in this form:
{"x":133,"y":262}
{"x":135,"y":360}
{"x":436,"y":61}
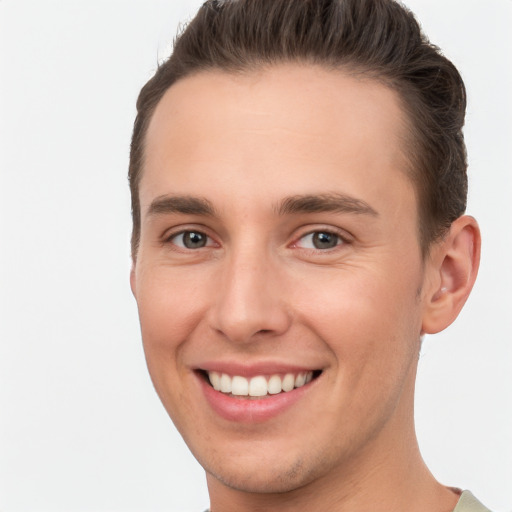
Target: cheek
{"x":169,"y":311}
{"x":374,"y":338}
{"x":169,"y":305}
{"x":170,"y":308}
{"x":370,"y":321}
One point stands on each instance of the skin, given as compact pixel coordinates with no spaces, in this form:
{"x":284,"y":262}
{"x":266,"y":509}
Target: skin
{"x":259,"y":291}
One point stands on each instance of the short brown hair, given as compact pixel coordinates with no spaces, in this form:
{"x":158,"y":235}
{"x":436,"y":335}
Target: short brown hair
{"x":379,"y":38}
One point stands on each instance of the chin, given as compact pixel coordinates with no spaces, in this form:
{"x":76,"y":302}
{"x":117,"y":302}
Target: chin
{"x":265,"y":475}
{"x":262,"y":480}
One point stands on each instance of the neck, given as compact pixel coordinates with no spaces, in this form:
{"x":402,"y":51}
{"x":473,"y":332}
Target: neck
{"x":396,"y":485}
{"x":389,"y":475}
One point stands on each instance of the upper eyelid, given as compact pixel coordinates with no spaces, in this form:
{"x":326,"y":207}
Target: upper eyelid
{"x":169,"y":241}
{"x":343,"y":234}
{"x":300,"y":232}
{"x":342,"y":242}
{"x":178,"y":230}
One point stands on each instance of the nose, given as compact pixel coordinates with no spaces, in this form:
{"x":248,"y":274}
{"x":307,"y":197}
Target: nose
{"x":250,"y":299}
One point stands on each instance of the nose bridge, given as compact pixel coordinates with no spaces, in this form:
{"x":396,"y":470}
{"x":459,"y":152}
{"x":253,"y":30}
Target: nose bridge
{"x":250,"y":300}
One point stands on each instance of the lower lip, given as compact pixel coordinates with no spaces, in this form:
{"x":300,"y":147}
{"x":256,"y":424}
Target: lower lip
{"x":250,"y":410}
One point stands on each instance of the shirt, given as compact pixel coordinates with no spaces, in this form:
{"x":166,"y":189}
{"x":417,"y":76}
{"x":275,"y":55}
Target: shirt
{"x":467,"y":503}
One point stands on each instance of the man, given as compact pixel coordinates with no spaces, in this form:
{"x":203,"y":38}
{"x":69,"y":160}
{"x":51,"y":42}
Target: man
{"x":298,"y":179}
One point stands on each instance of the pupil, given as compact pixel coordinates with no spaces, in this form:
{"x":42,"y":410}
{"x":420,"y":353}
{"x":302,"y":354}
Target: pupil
{"x":193,"y":240}
{"x":325,"y":240}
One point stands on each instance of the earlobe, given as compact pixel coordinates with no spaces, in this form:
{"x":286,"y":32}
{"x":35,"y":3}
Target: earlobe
{"x":455,"y":267}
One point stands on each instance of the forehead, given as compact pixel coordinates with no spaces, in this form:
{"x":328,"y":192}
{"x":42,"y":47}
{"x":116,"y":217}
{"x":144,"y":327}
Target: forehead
{"x":296,"y":126}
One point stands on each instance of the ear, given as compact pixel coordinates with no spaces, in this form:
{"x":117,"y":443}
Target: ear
{"x":453,"y":267}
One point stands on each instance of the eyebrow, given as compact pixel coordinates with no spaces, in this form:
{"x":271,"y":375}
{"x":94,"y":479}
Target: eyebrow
{"x":308,"y":203}
{"x":187,"y":205}
{"x":318,"y":203}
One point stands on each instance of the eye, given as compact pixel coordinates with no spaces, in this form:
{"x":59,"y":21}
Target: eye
{"x":190,"y":240}
{"x":319,"y":240}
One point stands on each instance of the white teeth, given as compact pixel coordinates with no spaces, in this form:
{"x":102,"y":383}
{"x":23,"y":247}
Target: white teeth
{"x":300,"y":380}
{"x":258,"y":385}
{"x":274,"y":385}
{"x":239,"y":386}
{"x":215,"y":380}
{"x":225,"y":383}
{"x":288,"y":382}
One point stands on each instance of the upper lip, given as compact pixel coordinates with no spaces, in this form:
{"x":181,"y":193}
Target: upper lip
{"x":256,"y":368}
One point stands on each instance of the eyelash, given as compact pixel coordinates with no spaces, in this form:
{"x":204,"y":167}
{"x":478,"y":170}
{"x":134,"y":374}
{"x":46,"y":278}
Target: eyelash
{"x":170,"y":239}
{"x":340,"y":240}
{"x":209,"y":242}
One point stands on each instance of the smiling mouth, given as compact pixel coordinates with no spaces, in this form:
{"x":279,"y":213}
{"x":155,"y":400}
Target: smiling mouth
{"x":260,"y":385}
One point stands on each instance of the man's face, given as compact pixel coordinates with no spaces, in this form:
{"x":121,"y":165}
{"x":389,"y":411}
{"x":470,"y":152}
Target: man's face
{"x":279,"y":244}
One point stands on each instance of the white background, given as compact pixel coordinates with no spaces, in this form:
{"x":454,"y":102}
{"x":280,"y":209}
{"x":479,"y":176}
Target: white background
{"x":81,"y":428}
